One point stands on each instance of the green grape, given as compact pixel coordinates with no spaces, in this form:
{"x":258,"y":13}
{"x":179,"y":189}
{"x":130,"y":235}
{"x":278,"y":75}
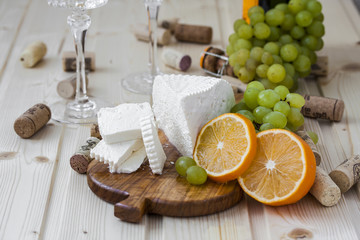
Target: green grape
{"x":320,"y":17}
{"x":250,"y":96}
{"x":229,"y":50}
{"x":256,"y":53}
{"x":314,"y":7}
{"x":261,"y":31}
{"x":287,"y":82}
{"x":282,"y":90}
{"x":283,"y":7}
{"x":236,"y":69}
{"x":296,"y":45}
{"x":296,"y":6}
{"x":304,"y":74}
{"x":289,"y":22}
{"x":277,"y":119}
{"x":290,"y":127}
{"x":276,"y":73}
{"x":295,"y":83}
{"x":282,"y":107}
{"x":255,"y":9}
{"x":297,"y":32}
{"x":258,"y":42}
{"x":196,"y":175}
{"x":275,"y":33}
{"x":266,"y":126}
{"x":257,"y":18}
{"x":246,"y":75}
{"x":272,"y":48}
{"x":289,"y":68}
{"x":277,"y":59}
{"x":233,"y":38}
{"x":288,"y":52}
{"x":259,"y":113}
{"x":279,"y":44}
{"x":256,"y":84}
{"x":314,"y":137}
{"x":262,"y":70}
{"x":285,"y":39}
{"x":319,"y":45}
{"x":295,"y":100}
{"x":268,"y":98}
{"x":304,"y":18}
{"x":247,"y":114}
{"x":251,"y":65}
{"x":267,"y":58}
{"x":295,"y":118}
{"x":238,"y":23}
{"x":316,"y":29}
{"x":302,"y":63}
{"x":239,"y":57}
{"x":242,"y":44}
{"x":274,"y":17}
{"x":240,"y":106}
{"x":310,"y":54}
{"x":245,"y":31}
{"x":183,"y":163}
{"x":267,"y":84}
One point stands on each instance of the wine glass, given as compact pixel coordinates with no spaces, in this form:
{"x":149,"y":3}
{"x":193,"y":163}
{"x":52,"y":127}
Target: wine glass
{"x":83,"y":109}
{"x":142,"y":82}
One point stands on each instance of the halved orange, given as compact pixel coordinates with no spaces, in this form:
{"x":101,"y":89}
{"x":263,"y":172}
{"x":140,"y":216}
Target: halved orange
{"x":282,"y":171}
{"x":226,"y":146}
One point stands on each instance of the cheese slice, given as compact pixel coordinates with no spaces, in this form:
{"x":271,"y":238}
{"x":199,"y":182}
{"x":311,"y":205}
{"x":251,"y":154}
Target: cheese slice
{"x":132,"y":163}
{"x":183,"y":104}
{"x":116,"y":153}
{"x":121,"y":123}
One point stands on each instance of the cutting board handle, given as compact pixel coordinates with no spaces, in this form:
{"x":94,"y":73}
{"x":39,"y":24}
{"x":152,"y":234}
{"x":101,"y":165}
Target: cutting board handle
{"x":131,"y":209}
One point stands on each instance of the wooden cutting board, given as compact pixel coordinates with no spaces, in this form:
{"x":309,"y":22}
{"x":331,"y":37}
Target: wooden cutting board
{"x":168,"y":194}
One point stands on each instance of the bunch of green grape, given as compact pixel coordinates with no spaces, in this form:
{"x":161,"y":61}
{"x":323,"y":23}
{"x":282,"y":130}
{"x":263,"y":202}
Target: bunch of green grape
{"x":278,"y":46}
{"x":186,"y":167}
{"x":271,"y":108}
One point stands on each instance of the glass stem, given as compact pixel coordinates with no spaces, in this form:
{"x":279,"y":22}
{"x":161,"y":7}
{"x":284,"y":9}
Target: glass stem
{"x":153,"y":11}
{"x":79,"y":23}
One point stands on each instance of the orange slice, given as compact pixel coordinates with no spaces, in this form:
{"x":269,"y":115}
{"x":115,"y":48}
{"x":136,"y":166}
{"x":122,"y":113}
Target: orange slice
{"x":282,"y":171}
{"x":226,"y":146}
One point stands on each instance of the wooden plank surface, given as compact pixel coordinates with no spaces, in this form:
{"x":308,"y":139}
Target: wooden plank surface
{"x":42,"y":198}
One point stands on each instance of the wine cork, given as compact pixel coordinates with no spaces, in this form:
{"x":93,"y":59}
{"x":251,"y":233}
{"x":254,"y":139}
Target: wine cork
{"x":347,"y":173}
{"x":67,"y":87}
{"x":81,"y":159}
{"x":305,"y":136}
{"x":69,"y":61}
{"x":141,"y":32}
{"x":324,"y":189}
{"x":169,"y":24}
{"x":32,"y":54}
{"x":32,"y":120}
{"x":193,"y":33}
{"x":176,"y":59}
{"x":94,"y":131}
{"x":324,"y":108}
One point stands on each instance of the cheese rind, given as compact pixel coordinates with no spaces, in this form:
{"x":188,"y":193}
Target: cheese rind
{"x":132,"y":163}
{"x":183,"y":104}
{"x":121,"y":123}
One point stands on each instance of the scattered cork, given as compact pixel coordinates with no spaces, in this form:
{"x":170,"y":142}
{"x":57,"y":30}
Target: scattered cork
{"x":141,"y":32}
{"x":324,"y":189}
{"x":81,"y":159}
{"x":324,"y":108}
{"x":347,"y":173}
{"x":320,"y":68}
{"x":193,"y":33}
{"x":305,"y":136}
{"x":69,"y":61}
{"x":32,"y":54}
{"x":94,"y":131}
{"x":176,"y":59}
{"x":169,"y":24}
{"x":217,"y":62}
{"x":32,"y":120}
{"x":67,"y":87}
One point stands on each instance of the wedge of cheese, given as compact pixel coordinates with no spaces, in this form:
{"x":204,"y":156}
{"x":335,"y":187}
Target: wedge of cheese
{"x":121,"y":123}
{"x":132,"y":163}
{"x":183,"y":104}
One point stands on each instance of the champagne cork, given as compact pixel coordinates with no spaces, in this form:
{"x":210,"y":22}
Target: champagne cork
{"x":214,"y":64}
{"x":69,"y":61}
{"x":347,"y":173}
{"x":176,"y":59}
{"x":193,"y":33}
{"x":67,"y":87}
{"x":141,"y":32}
{"x":169,"y":24}
{"x":32,"y":54}
{"x":305,"y":136}
{"x":32,"y":120}
{"x":81,"y":159}
{"x":94,"y":131}
{"x":324,"y":189}
{"x":324,"y":108}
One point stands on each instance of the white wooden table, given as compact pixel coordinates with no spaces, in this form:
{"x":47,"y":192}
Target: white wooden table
{"x":43,"y":198}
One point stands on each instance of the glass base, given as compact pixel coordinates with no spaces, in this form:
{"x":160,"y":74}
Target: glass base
{"x":71,"y":112}
{"x":139,"y":83}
